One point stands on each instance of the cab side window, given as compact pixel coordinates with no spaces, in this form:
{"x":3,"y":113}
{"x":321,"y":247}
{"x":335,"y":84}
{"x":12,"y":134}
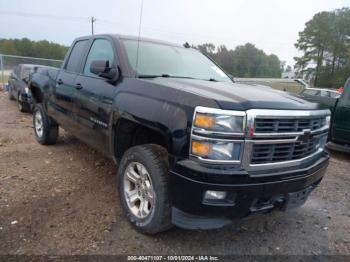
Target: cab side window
{"x":101,"y":49}
{"x":75,"y":57}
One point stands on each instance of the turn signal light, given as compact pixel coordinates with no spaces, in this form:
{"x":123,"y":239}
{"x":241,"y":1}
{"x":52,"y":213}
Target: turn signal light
{"x":204,"y":121}
{"x":200,"y":148}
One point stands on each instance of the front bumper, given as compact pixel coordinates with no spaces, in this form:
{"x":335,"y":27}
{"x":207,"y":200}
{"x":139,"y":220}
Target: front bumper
{"x":247,"y":193}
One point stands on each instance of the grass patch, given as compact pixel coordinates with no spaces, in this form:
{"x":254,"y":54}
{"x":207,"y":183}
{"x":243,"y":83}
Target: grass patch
{"x":3,"y":79}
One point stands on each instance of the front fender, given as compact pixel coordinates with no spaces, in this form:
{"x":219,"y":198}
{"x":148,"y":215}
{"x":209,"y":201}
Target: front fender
{"x":168,"y":119}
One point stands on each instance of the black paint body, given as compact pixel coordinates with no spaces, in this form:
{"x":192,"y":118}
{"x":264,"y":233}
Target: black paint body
{"x":93,"y":112}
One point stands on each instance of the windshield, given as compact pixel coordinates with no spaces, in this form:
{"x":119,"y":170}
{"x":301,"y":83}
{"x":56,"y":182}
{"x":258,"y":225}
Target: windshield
{"x":171,"y":61}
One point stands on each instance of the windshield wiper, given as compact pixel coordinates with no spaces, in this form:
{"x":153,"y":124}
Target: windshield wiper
{"x":164,"y":75}
{"x":152,"y":76}
{"x":171,"y":76}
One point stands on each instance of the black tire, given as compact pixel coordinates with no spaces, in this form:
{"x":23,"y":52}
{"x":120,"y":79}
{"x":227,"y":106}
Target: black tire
{"x":155,"y":159}
{"x":48,"y":133}
{"x":20,"y":104}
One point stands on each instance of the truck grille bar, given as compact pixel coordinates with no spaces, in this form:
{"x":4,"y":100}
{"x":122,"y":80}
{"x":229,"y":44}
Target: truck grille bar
{"x":271,"y":153}
{"x":271,"y":125}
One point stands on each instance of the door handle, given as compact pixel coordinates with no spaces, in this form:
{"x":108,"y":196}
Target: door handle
{"x":78,"y":86}
{"x":59,"y":81}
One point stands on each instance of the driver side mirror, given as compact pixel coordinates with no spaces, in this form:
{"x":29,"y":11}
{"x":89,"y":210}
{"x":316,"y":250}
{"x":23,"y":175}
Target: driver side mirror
{"x":103,"y":69}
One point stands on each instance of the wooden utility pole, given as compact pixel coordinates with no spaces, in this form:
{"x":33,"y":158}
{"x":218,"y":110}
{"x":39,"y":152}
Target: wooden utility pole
{"x":93,"y":19}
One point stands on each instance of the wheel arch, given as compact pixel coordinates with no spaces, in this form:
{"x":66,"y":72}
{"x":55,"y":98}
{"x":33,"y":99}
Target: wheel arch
{"x":128,"y":132}
{"x":37,"y":92}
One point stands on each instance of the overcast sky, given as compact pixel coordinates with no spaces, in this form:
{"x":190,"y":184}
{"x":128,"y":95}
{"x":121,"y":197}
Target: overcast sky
{"x":272,"y":25}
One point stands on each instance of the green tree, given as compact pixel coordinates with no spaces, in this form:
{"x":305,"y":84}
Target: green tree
{"x":244,"y":61}
{"x":250,"y":61}
{"x":26,"y":47}
{"x":207,"y":49}
{"x":325,"y":42}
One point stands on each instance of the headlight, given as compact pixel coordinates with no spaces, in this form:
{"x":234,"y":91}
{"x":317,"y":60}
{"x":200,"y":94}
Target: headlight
{"x":218,"y":150}
{"x":26,"y":89}
{"x":218,"y":121}
{"x":328,"y":121}
{"x":217,"y":135}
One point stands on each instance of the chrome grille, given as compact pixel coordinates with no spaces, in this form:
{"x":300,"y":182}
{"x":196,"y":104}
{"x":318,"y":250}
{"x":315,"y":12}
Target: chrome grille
{"x":271,"y":153}
{"x":283,"y":138}
{"x":287,"y":125}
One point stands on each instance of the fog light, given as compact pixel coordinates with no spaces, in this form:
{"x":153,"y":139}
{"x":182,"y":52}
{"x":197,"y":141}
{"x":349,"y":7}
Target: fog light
{"x":210,"y":195}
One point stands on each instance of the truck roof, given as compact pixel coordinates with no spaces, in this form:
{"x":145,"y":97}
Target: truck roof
{"x":129,"y":37}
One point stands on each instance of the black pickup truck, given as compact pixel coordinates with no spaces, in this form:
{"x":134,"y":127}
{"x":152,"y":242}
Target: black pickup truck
{"x":195,"y":149}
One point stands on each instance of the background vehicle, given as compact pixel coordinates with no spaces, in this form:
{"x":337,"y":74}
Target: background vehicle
{"x":196,"y":150}
{"x":18,"y":82}
{"x":340,"y":128}
{"x":324,"y":96}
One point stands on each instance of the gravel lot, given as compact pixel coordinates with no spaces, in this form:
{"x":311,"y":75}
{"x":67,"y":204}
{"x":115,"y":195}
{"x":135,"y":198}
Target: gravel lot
{"x":61,"y":199}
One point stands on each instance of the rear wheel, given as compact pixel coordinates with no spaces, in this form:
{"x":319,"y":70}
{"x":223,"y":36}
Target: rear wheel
{"x":143,"y":184}
{"x":45,"y":129}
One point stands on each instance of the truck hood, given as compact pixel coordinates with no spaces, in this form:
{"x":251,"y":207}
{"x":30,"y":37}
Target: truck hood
{"x":237,"y":96}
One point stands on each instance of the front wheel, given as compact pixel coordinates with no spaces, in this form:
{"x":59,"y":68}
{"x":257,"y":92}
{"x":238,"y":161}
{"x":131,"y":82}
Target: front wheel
{"x":46,"y":131}
{"x":143,"y":183}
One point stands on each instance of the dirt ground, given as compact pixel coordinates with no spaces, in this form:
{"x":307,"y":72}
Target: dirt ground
{"x":62,"y":199}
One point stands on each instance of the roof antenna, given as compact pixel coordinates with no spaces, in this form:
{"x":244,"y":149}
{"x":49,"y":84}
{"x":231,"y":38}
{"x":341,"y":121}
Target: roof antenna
{"x":138,"y":39}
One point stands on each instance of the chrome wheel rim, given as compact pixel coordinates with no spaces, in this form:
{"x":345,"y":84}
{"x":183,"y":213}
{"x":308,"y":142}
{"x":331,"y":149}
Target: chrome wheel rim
{"x":138,"y":190}
{"x":38,"y":124}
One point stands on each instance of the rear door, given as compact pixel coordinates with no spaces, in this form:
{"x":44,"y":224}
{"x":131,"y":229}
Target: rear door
{"x":341,"y":121}
{"x":95,"y":97}
{"x":63,"y":107}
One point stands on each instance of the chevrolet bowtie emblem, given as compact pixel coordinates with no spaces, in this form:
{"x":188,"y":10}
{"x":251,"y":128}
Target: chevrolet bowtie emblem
{"x":304,"y":138}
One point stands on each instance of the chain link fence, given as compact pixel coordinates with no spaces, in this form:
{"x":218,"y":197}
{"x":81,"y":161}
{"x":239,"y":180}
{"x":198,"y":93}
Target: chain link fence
{"x":8,"y":62}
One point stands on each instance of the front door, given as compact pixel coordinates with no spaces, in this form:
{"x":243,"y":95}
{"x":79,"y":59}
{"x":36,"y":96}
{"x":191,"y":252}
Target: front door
{"x":94,"y":97}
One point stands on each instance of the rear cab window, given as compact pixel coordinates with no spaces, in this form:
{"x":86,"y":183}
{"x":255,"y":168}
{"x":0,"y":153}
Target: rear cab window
{"x":76,"y":55}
